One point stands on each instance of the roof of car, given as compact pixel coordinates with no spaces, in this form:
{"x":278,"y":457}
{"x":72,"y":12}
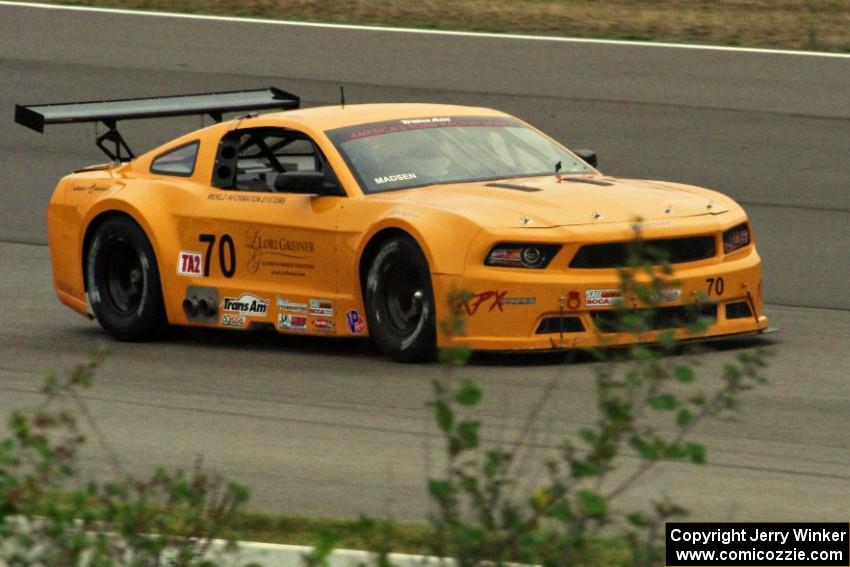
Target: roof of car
{"x":331,"y":117}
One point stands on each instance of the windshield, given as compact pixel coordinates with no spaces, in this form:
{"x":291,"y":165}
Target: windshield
{"x":399,"y":154}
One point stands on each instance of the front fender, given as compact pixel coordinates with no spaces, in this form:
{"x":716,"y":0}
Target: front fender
{"x":444,"y":237}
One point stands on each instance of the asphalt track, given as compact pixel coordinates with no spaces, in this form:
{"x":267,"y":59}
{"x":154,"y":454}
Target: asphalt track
{"x":329,"y":427}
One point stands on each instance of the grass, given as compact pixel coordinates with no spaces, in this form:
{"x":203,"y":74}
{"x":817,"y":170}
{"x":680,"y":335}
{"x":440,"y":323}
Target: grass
{"x":367,"y":534}
{"x":371,"y":535}
{"x":791,"y":24}
{"x":349,"y":534}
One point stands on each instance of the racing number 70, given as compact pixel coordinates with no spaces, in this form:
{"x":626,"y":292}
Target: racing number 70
{"x":226,"y":254}
{"x":715,"y":285}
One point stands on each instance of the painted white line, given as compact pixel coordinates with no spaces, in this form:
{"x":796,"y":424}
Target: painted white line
{"x":551,"y":39}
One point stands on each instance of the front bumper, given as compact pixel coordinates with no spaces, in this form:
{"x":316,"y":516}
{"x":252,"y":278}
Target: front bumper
{"x":515,"y":309}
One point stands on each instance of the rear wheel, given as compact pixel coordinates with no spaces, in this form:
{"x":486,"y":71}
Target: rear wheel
{"x":123,"y":281}
{"x":400,"y":302}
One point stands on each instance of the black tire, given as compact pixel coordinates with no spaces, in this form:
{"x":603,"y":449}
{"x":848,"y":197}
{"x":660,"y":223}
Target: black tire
{"x":400,"y":302}
{"x":123,"y":283}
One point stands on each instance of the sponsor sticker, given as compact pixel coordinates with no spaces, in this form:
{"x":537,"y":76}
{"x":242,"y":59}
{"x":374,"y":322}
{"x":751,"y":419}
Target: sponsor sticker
{"x":651,"y":224}
{"x":519,"y":300}
{"x":243,"y":198}
{"x":323,"y":324}
{"x":90,"y":188}
{"x":403,"y":213}
{"x":379,"y":129}
{"x":246,"y":304}
{"x":321,"y":308}
{"x":286,"y":305}
{"x":670,"y":295}
{"x":355,"y":322}
{"x":608,"y":297}
{"x":190,"y":264}
{"x":426,"y":120}
{"x":278,"y":253}
{"x":602,"y":297}
{"x":231,"y":320}
{"x":393,"y":178}
{"x":292,"y":322}
{"x":494,"y":300}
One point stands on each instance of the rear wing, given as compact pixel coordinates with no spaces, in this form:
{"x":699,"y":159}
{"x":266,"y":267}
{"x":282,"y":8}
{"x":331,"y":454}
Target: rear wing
{"x":109,"y":112}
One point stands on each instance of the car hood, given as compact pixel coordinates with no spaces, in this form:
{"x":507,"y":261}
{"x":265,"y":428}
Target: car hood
{"x":541,"y":202}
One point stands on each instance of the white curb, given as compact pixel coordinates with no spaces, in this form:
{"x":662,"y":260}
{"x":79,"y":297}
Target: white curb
{"x":280,"y":555}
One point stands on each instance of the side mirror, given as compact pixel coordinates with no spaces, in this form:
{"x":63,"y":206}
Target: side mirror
{"x":306,"y":183}
{"x":588,"y":156}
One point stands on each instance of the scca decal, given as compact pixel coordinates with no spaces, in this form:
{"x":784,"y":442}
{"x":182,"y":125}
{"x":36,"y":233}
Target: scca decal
{"x":602,"y":297}
{"x":231,"y":320}
{"x":321,"y":308}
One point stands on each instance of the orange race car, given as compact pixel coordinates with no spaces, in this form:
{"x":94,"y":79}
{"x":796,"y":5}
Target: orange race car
{"x":361,"y":220}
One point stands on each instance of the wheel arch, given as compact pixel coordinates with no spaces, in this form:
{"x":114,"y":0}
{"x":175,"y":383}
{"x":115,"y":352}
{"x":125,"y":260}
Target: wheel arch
{"x":92,"y":226}
{"x":373,"y":245}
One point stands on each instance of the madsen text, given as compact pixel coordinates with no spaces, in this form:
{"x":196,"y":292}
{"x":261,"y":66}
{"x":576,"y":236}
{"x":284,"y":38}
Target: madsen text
{"x":726,"y":536}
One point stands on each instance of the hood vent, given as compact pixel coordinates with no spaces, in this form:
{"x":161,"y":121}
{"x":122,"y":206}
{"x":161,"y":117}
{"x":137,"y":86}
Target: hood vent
{"x":588,"y":181}
{"x":515,"y":187}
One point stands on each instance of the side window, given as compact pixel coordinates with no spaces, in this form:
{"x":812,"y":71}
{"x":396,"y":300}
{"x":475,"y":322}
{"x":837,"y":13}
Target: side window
{"x":251,"y":159}
{"x":179,"y":161}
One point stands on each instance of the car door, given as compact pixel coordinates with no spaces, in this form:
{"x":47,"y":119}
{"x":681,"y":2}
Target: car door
{"x":266,"y":251}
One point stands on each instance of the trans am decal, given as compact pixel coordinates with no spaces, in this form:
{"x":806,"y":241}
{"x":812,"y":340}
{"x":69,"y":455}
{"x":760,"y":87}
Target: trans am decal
{"x":246,"y":304}
{"x":389,"y":127}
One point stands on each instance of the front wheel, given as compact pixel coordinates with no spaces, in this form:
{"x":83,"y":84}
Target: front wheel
{"x":400,"y":302}
{"x":123,"y":281}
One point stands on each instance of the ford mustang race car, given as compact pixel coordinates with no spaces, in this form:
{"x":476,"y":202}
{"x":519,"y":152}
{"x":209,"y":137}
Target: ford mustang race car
{"x":365,"y":220}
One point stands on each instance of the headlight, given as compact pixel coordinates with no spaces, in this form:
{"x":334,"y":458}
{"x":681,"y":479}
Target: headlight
{"x":736,"y":238}
{"x":534,"y":256}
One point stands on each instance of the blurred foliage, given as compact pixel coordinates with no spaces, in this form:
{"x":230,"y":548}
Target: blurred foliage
{"x":648,"y":403}
{"x":50,"y":516}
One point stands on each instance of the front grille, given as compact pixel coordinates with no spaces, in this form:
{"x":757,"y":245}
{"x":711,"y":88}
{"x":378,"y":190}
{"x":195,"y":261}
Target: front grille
{"x":656,"y":319}
{"x":673,"y":250}
{"x":555,"y":324}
